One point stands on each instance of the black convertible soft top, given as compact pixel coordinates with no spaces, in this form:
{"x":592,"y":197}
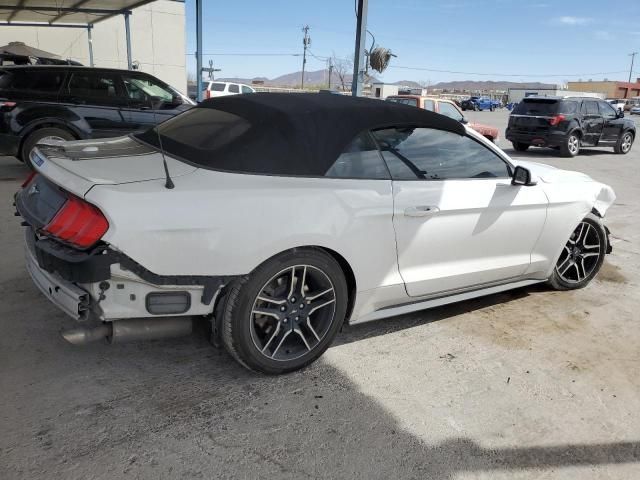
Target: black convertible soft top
{"x":282,"y":133}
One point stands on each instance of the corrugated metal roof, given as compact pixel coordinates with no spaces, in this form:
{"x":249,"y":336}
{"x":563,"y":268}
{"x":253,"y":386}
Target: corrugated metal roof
{"x":60,"y":12}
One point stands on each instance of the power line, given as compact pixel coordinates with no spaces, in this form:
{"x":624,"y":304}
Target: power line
{"x":250,"y":54}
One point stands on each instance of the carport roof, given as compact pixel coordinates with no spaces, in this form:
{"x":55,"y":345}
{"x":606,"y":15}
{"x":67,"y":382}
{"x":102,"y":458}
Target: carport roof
{"x":61,"y":12}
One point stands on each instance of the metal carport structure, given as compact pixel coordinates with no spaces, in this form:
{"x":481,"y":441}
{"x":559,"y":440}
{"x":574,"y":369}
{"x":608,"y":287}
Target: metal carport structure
{"x":77,"y":14}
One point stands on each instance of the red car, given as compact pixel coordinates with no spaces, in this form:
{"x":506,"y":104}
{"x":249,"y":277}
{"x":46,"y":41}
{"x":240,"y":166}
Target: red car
{"x":444,"y":107}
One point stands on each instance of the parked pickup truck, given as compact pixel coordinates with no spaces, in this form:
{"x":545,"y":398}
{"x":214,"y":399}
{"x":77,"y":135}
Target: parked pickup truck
{"x":479,"y":103}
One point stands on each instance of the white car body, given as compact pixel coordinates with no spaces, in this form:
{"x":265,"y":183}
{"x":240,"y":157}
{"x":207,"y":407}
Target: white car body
{"x":618,"y":104}
{"x":483,"y":235}
{"x":214,"y":89}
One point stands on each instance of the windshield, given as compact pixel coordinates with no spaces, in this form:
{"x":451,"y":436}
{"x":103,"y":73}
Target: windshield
{"x":404,"y":101}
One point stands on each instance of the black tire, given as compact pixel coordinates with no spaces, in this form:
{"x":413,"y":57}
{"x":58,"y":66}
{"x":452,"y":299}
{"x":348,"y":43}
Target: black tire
{"x":571,"y":145}
{"x":240,"y":324}
{"x":576,"y":264}
{"x":624,"y":143}
{"x":520,"y":147}
{"x":34,"y":137}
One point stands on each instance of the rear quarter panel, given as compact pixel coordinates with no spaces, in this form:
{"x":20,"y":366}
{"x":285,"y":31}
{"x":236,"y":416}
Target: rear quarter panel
{"x":216,"y":223}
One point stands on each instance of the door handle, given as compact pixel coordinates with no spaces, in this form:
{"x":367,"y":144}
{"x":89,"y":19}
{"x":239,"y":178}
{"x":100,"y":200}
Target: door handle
{"x":420,"y":211}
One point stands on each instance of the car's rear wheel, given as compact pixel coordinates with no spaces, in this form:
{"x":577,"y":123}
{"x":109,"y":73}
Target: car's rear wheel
{"x":581,"y":257}
{"x":286,"y":313}
{"x":624,"y":143}
{"x":47,"y":133}
{"x":571,"y":145}
{"x":520,"y":147}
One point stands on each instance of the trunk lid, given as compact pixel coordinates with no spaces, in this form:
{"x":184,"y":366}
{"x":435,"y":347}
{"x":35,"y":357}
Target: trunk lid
{"x":82,"y":164}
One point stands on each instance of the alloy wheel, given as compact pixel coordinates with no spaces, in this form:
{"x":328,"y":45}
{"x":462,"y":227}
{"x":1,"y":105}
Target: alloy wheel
{"x":293,"y":312}
{"x":627,"y":140}
{"x":580,"y":255}
{"x":573,"y":144}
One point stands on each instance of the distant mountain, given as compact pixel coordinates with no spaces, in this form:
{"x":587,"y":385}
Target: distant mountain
{"x":318,"y":78}
{"x":472,"y":85}
{"x":313,"y":78}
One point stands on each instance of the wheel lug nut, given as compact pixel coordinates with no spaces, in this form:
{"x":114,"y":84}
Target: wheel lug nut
{"x":297,"y":319}
{"x":283,"y":308}
{"x":293,"y":300}
{"x":286,"y":320}
{"x":302,"y":305}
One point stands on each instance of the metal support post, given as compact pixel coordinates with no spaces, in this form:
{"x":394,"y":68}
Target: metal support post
{"x":89,"y":27}
{"x":358,"y":57}
{"x":128,"y":34}
{"x":199,"y":50}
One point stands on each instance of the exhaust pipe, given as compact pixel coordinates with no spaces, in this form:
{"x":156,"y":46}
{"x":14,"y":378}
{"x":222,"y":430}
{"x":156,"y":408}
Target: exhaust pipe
{"x":130,"y":330}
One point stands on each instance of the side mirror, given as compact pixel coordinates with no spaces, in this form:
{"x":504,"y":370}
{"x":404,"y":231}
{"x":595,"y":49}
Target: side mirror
{"x":522,"y":176}
{"x":620,"y":113}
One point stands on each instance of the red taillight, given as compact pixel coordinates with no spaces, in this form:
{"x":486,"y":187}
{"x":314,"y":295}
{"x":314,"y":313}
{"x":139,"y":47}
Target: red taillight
{"x":27,"y":180}
{"x":7,"y":106}
{"x":78,"y":222}
{"x":207,"y":94}
{"x":556,"y":119}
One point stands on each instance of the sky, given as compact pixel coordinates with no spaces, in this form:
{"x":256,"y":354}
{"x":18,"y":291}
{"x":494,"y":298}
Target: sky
{"x":515,"y":40}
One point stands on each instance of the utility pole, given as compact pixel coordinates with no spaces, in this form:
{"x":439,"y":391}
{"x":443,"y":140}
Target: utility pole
{"x":306,"y":41}
{"x":211,"y":70}
{"x":330,"y":71}
{"x":633,"y":56}
{"x":358,"y":57}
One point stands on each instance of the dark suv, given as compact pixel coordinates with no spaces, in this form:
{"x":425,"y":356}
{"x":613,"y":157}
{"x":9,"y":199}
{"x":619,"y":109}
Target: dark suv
{"x":68,"y":103}
{"x":568,"y":124}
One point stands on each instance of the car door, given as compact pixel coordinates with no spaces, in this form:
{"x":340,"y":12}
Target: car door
{"x":150,"y":101}
{"x":97,"y":97}
{"x":612,"y":125}
{"x":592,"y":122}
{"x":459,"y":222}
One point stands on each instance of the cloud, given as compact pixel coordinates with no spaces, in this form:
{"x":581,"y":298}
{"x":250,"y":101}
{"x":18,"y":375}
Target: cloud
{"x":603,"y":35}
{"x":568,"y":20}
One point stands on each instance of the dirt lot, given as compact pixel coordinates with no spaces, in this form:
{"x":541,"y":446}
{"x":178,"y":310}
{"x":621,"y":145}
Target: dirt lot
{"x":528,"y":384}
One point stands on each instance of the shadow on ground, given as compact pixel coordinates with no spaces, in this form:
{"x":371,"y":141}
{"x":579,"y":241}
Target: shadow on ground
{"x":180,"y":408}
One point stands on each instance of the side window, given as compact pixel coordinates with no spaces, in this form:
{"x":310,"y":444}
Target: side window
{"x":45,"y":81}
{"x":100,"y":88}
{"x":450,"y":111}
{"x":246,"y":89}
{"x":590,"y":108}
{"x":233,"y":88}
{"x":607,"y":110}
{"x":429,"y":105}
{"x":361,"y":159}
{"x":146,"y":90}
{"x":217,"y":87}
{"x":429,"y":154}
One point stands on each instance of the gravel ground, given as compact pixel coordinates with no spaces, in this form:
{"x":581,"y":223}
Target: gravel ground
{"x":529,"y":384}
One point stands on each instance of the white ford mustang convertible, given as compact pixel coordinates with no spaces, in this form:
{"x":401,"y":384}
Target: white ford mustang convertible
{"x":281,"y":216}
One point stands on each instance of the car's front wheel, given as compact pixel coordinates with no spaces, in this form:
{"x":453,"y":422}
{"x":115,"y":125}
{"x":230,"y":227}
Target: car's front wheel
{"x":582,"y":255}
{"x":285,"y":314}
{"x":624,"y":143}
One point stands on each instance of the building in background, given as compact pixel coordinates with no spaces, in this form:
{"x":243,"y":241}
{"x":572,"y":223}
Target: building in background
{"x":517,"y":94}
{"x":158,"y":41}
{"x":610,"y":89}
